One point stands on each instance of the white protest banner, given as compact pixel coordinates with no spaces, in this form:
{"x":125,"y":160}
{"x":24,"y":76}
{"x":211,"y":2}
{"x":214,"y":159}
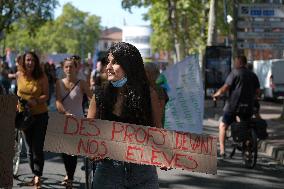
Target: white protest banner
{"x":131,"y":143}
{"x":7,"y":127}
{"x":184,"y":111}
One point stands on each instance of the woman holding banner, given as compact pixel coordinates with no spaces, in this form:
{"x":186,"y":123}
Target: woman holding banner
{"x":126,"y":99}
{"x":69,"y":98}
{"x":33,"y":87}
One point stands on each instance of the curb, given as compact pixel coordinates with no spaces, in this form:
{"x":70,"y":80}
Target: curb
{"x":273,"y":146}
{"x":273,"y":149}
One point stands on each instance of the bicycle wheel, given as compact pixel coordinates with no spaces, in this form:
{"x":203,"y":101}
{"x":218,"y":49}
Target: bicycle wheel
{"x":18,"y":148}
{"x":89,"y":173}
{"x":250,"y":150}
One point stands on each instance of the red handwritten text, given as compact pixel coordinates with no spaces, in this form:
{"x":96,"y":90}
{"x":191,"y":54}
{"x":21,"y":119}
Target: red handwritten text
{"x":160,"y":158}
{"x":92,"y":147}
{"x":139,"y":135}
{"x":191,"y":142}
{"x":80,"y":127}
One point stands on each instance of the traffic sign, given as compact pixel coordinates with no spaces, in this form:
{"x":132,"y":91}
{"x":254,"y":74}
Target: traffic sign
{"x":261,"y":10}
{"x":260,"y":35}
{"x":260,"y":24}
{"x":246,"y":45}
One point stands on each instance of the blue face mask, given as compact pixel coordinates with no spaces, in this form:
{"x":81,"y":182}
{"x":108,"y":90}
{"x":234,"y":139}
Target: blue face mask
{"x":119,"y":83}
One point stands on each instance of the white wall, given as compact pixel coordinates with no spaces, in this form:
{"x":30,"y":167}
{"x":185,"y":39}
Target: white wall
{"x":139,"y":36}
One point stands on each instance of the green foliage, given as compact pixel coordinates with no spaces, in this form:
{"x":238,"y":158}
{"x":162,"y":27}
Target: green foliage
{"x":34,"y":12}
{"x":20,"y":38}
{"x":128,"y":4}
{"x":73,"y":32}
{"x":161,"y":39}
{"x":185,"y":21}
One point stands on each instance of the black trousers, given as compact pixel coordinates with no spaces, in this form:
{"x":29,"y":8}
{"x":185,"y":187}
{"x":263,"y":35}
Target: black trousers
{"x":34,"y":139}
{"x":70,"y":163}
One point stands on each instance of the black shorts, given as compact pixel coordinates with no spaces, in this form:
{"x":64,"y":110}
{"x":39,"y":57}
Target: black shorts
{"x":228,"y":118}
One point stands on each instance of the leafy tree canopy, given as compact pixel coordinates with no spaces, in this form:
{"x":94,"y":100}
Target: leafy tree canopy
{"x":73,"y":32}
{"x":182,"y":22}
{"x":35,"y":13}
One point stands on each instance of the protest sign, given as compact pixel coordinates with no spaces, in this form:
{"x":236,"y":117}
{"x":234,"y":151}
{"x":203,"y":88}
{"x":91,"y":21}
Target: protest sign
{"x":7,"y":127}
{"x":184,"y":111}
{"x":131,"y":143}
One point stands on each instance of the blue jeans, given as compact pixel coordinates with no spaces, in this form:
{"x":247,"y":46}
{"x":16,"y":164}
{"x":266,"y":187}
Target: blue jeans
{"x":111,"y":174}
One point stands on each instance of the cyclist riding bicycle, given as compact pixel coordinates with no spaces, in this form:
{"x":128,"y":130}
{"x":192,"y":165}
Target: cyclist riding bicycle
{"x":243,"y":87}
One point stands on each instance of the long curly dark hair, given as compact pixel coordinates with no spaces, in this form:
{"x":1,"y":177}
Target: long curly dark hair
{"x":37,"y":72}
{"x":136,"y":108}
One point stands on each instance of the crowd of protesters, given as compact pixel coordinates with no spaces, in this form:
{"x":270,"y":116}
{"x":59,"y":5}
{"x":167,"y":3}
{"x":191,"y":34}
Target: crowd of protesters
{"x":119,"y":89}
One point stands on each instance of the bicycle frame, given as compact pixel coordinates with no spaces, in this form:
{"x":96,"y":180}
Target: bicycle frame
{"x":247,"y":144}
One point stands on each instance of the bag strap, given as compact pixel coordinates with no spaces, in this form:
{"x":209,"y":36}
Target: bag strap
{"x":69,"y":91}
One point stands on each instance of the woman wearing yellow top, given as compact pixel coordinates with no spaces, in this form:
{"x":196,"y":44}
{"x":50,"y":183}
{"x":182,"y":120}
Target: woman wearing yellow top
{"x":33,"y":87}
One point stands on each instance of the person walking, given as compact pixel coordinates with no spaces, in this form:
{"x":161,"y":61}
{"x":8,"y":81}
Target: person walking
{"x":98,"y":76}
{"x":14,"y":76}
{"x":126,"y":99}
{"x":69,"y":97}
{"x":49,"y":70}
{"x":33,"y":87}
{"x":82,"y":75}
{"x":159,"y":96}
{"x":243,"y":87}
{"x":4,"y":79}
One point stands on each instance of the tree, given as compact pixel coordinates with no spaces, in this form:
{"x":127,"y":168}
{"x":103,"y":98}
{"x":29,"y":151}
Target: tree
{"x":177,"y":24}
{"x":19,"y":37}
{"x":35,"y":12}
{"x":73,"y":32}
{"x":180,"y":23}
{"x":212,"y":29}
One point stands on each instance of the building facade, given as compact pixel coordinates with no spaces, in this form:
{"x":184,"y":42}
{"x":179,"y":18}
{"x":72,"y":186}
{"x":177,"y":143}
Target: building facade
{"x":139,"y":36}
{"x":109,"y":36}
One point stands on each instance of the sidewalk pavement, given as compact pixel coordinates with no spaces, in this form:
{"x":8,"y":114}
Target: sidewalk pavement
{"x":273,"y":146}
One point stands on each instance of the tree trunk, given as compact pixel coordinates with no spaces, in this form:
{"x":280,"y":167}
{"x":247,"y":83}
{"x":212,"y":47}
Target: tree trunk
{"x":201,"y":48}
{"x":212,"y":29}
{"x":174,"y":23}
